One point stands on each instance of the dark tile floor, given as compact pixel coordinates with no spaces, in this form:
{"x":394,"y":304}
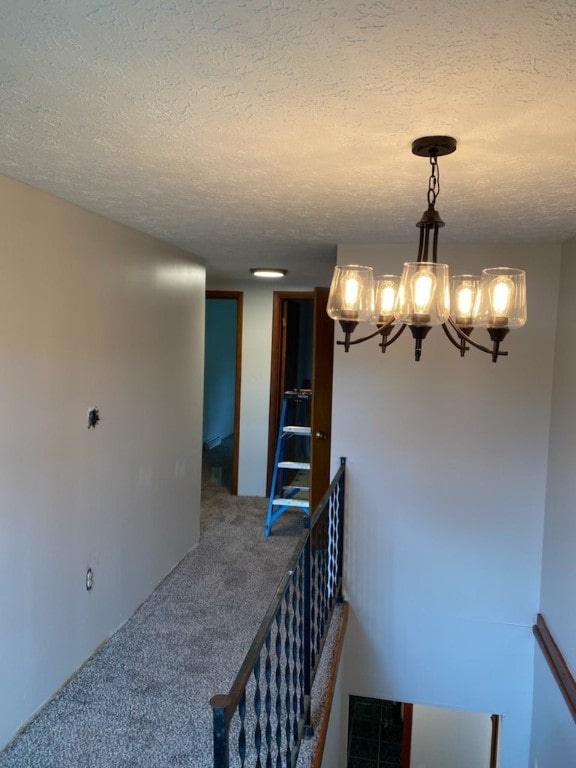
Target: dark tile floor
{"x":374,"y":733}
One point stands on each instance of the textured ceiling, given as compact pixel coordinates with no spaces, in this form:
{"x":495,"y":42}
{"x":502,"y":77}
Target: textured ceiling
{"x":267,"y":131}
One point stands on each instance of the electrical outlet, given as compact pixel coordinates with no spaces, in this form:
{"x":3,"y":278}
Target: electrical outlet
{"x":89,"y":579}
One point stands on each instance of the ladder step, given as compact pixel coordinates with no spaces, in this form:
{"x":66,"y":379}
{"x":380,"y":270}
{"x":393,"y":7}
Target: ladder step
{"x":294,"y":464}
{"x":304,"y":503}
{"x":295,"y":488}
{"x":295,"y":430}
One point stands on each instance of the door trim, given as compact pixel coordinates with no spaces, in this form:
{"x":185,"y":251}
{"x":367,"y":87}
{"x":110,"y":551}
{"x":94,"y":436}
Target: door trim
{"x":239,"y":296}
{"x":406,"y":735}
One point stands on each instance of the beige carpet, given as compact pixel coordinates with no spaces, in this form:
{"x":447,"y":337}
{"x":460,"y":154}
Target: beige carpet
{"x":142,"y":700}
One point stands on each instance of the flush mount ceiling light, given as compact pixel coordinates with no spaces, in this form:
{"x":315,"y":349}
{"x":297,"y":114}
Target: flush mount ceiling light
{"x":268,"y":272}
{"x":425,"y":295}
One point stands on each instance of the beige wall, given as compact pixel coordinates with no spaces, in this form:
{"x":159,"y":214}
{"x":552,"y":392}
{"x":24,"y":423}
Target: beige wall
{"x":92,"y":313}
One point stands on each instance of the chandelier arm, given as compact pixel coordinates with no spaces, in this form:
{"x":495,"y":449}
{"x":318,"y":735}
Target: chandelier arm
{"x":363,"y":338}
{"x":386,"y":343}
{"x":451,"y":339}
{"x":468,"y":340}
{"x":375,"y":333}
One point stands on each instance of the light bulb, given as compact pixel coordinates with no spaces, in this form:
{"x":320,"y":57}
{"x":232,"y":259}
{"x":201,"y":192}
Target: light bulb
{"x":465,"y":302}
{"x":351,"y":291}
{"x":424,"y":284}
{"x":385,"y":291}
{"x":465,"y":297}
{"x":388,"y":300}
{"x":501,"y":291}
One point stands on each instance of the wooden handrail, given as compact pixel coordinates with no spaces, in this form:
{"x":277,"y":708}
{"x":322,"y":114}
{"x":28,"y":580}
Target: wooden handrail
{"x":557,"y":663}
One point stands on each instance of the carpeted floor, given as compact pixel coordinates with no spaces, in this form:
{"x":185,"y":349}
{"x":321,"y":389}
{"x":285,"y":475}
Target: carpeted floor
{"x":142,"y":699}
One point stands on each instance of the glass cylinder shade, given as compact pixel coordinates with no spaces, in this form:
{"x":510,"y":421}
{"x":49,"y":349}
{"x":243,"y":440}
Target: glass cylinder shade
{"x":503,"y":298}
{"x":424,"y":295}
{"x":351,"y":294}
{"x":465,"y":299}
{"x":385,"y":293}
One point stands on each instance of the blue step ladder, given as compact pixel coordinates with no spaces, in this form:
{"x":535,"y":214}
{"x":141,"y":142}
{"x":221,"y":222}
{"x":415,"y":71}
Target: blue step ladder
{"x":292,"y":458}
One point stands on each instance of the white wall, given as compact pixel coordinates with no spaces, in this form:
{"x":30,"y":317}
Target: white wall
{"x":93,"y":314}
{"x":255,"y":393}
{"x":446,"y":481}
{"x":554,"y":733}
{"x":449,"y":738}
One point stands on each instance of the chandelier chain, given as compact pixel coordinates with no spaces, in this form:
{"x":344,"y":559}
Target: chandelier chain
{"x":434,"y":180}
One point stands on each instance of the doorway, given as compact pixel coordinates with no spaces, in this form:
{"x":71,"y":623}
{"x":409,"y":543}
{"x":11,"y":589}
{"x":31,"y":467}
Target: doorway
{"x":385,"y":734}
{"x":222,"y":375}
{"x":302,"y":358}
{"x":291,"y":365}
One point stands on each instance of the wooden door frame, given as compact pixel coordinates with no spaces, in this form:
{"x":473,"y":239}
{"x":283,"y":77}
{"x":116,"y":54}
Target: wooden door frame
{"x":276,"y":396}
{"x":239,"y":297}
{"x":407,"y":716}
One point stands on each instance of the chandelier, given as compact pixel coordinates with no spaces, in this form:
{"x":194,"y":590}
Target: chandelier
{"x":425,"y":295}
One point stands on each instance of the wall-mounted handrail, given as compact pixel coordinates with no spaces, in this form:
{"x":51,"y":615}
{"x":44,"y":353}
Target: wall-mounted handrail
{"x":268,"y":708}
{"x":557,"y":663}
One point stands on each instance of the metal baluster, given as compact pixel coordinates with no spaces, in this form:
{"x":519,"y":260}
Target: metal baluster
{"x":268,"y":701}
{"x":330,"y":547}
{"x":287,"y":677}
{"x":257,"y":711}
{"x":242,"y":734}
{"x":278,"y":701}
{"x":315,"y":608}
{"x":294,"y":657}
{"x":308,"y":629}
{"x":301,"y":654}
{"x":323,"y":585}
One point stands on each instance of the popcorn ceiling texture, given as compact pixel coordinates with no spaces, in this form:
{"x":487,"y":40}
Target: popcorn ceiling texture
{"x":271,"y":130}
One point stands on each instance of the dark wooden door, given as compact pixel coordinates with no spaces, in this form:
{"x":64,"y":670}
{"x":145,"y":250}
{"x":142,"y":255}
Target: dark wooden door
{"x":321,"y":414}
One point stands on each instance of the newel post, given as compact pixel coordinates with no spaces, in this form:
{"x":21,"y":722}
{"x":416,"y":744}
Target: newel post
{"x":341,"y":509}
{"x":220,"y":704}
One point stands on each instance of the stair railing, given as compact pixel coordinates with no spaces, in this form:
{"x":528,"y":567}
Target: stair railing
{"x":268,"y":709}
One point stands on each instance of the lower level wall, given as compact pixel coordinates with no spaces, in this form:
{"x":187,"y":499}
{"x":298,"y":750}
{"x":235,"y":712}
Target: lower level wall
{"x":553,"y":728}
